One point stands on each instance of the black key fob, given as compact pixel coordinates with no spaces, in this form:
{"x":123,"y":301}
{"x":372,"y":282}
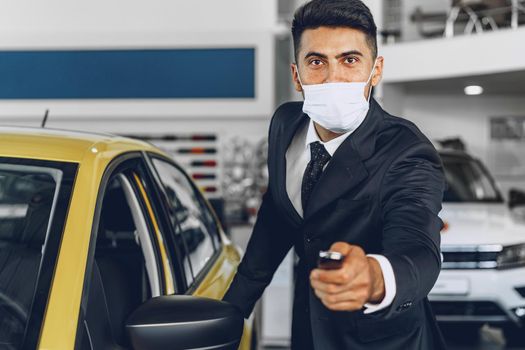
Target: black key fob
{"x":330,"y":260}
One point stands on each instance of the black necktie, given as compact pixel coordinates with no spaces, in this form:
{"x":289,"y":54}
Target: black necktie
{"x":314,"y":169}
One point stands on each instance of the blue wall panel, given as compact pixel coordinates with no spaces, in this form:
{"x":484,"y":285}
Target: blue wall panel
{"x":123,"y":74}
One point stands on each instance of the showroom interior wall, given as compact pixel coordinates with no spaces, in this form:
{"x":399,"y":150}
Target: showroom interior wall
{"x":132,"y":23}
{"x":163,"y":23}
{"x":60,"y":24}
{"x":154,"y":26}
{"x":409,"y":31}
{"x":134,"y":16}
{"x":468,"y":117}
{"x":424,"y":81}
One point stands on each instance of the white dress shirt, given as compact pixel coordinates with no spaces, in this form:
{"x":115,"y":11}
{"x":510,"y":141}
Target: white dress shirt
{"x":297,"y":158}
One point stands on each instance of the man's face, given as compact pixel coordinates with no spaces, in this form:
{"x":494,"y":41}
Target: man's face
{"x":330,"y":55}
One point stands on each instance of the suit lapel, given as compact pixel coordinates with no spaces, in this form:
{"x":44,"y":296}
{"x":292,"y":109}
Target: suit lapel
{"x":346,"y":169}
{"x":285,"y":130}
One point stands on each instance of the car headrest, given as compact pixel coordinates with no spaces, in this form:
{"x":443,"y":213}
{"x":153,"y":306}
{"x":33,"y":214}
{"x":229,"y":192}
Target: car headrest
{"x":27,"y":202}
{"x":37,"y":218}
{"x":116,"y":214}
{"x":9,"y":225}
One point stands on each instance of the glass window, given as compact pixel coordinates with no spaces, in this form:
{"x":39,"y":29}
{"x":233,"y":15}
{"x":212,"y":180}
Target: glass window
{"x":195,"y":227}
{"x":27,"y":200}
{"x":120,"y":280}
{"x":468,"y":181}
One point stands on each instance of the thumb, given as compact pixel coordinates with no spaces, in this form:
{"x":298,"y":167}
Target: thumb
{"x":341,"y":247}
{"x":347,"y":250}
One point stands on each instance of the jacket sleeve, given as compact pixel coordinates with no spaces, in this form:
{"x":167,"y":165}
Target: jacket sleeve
{"x":411,"y":195}
{"x":268,"y":245}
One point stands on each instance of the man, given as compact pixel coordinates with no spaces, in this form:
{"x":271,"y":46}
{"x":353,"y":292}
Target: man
{"x":344,"y":175}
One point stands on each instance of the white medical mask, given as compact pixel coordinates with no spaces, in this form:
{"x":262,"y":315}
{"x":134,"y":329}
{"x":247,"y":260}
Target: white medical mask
{"x":338,"y":107}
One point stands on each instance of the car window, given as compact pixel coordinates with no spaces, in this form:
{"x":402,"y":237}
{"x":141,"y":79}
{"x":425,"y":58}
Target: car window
{"x":124,"y":271}
{"x":164,"y":260}
{"x":468,"y":181}
{"x":28,"y":196}
{"x":194,"y":225}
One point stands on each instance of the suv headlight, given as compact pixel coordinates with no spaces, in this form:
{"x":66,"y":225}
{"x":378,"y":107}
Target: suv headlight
{"x":512,"y":256}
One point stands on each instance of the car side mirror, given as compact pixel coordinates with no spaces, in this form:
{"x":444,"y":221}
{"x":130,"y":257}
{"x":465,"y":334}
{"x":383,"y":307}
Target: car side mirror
{"x":182,"y":322}
{"x":516,"y":198}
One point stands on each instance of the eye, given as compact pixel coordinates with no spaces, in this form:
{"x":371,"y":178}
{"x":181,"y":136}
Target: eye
{"x":351,"y":60}
{"x":316,"y":62}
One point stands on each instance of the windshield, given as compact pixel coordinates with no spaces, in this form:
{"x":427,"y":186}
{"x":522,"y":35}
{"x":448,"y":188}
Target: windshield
{"x":468,"y":181}
{"x":28,"y":196}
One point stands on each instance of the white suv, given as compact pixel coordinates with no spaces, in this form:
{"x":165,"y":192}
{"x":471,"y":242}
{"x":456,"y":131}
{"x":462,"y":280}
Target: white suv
{"x":483,"y":246}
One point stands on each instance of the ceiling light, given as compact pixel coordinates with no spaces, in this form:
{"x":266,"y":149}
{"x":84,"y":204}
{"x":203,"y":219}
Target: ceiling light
{"x":473,"y":90}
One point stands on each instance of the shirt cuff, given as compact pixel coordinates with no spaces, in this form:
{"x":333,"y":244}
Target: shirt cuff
{"x":390,"y":285}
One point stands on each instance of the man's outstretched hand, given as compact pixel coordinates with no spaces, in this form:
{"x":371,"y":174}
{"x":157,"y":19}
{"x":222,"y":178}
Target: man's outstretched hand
{"x":357,"y":282}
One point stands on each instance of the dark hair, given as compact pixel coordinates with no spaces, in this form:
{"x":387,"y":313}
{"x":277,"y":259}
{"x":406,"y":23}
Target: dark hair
{"x":334,"y":13}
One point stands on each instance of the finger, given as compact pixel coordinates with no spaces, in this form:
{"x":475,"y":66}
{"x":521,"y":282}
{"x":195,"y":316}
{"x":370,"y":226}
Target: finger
{"x":341,"y":247}
{"x":339,"y":276}
{"x":360,"y":281}
{"x":329,"y":288}
{"x":322,"y":296}
{"x":348,"y":296}
{"x":358,"y":289}
{"x":353,"y":253}
{"x":319,"y":294}
{"x":346,"y":248}
{"x":335,"y":289}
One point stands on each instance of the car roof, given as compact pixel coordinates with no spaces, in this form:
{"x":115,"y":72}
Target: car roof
{"x":450,"y":151}
{"x":453,"y":152}
{"x":64,"y":145}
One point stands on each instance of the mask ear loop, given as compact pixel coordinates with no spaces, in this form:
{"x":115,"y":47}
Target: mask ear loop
{"x":298,"y":75}
{"x":368,"y":81}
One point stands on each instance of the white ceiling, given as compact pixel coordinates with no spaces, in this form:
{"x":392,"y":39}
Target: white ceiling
{"x":509,"y":83}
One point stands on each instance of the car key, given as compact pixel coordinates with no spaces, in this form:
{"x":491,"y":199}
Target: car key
{"x":330,"y":260}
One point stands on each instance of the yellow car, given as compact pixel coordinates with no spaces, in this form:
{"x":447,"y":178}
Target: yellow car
{"x":106,"y":243}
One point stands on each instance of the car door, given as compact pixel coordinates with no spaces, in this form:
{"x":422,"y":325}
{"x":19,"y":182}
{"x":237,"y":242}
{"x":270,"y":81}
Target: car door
{"x":148,"y":240}
{"x":209,"y":262}
{"x":128,"y":261}
{"x":34,"y":197}
{"x":194,"y":227}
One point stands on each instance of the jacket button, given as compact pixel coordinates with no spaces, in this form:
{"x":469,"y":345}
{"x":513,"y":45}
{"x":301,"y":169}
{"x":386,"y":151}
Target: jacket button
{"x":308,"y":240}
{"x":404,"y":306}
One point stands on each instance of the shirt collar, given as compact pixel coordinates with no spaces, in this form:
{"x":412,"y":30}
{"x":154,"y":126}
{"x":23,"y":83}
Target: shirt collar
{"x":330,"y":146}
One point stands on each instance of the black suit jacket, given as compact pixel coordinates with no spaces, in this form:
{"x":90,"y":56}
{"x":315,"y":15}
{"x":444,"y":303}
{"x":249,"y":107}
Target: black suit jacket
{"x":382,"y":190}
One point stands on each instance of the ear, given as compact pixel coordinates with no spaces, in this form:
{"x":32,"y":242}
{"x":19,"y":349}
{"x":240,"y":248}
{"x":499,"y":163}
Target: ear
{"x":378,"y":73}
{"x":295,"y":77}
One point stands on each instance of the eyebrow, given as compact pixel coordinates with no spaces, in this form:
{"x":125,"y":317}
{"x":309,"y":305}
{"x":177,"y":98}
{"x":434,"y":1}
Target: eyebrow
{"x":344,"y":54}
